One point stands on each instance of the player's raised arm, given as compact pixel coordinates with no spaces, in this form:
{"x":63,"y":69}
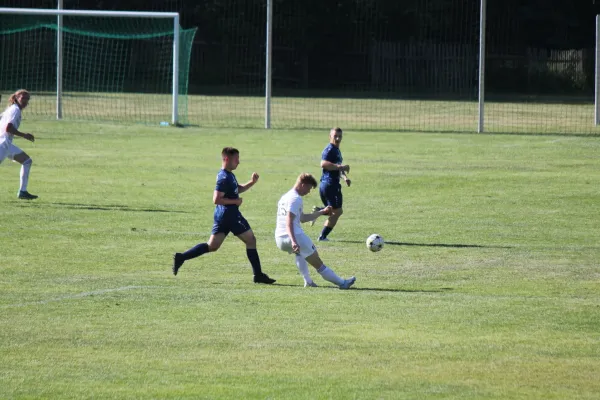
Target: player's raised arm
{"x":315,"y":214}
{"x":249,"y":184}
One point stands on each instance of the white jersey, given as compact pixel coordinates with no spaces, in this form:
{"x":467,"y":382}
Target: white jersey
{"x":291,"y":202}
{"x":12,"y":115}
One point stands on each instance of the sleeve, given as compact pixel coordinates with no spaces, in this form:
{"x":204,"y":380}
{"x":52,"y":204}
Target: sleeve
{"x":329,"y":154}
{"x":8,"y":117}
{"x":12,"y":115}
{"x":221,"y":185}
{"x":295,"y":206}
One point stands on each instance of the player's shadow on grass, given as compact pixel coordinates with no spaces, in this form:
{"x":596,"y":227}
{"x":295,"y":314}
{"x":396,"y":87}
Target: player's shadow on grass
{"x":328,"y":286}
{"x":456,"y":245}
{"x":440,"y":290}
{"x":107,"y":207}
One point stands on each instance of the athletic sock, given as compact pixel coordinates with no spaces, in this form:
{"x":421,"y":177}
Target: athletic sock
{"x":326,"y":230}
{"x":303,"y":268}
{"x":254,"y":261}
{"x":330,"y":276}
{"x":25,"y":168}
{"x":195,"y":251}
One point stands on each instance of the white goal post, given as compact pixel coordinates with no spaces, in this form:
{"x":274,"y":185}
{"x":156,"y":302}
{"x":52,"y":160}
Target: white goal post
{"x":116,"y":14}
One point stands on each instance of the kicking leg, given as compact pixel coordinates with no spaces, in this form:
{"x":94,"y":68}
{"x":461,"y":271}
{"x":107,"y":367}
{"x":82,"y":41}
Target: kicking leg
{"x":327,"y":273}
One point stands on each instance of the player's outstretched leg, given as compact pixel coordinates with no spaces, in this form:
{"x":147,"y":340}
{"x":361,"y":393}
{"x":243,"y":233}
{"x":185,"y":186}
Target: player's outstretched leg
{"x":177,"y":262}
{"x":327,"y":273}
{"x":348,"y":282}
{"x":180,"y":258}
{"x":213,"y":244}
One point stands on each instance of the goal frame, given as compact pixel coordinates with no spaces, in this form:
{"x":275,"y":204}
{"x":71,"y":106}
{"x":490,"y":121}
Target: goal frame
{"x":115,"y":14}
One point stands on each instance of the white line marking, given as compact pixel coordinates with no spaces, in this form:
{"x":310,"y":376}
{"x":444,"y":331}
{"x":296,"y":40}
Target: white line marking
{"x":78,"y":296}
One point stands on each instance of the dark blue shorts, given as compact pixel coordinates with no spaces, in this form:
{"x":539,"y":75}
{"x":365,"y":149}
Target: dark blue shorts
{"x":235,"y":224}
{"x":331,"y":194}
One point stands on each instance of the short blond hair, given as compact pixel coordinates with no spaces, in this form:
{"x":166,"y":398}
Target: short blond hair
{"x":307,"y":179}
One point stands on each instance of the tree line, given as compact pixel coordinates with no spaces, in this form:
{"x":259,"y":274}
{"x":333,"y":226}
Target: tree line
{"x":533,"y":45}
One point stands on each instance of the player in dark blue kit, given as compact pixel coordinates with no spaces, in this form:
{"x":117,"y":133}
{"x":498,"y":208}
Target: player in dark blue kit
{"x":330,"y":188}
{"x":227,"y":218}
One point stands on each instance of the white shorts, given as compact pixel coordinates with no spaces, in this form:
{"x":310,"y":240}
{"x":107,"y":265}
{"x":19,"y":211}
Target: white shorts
{"x":306,"y":245}
{"x":8,"y":150}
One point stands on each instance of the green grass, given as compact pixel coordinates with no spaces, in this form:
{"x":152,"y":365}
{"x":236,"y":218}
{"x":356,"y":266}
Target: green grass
{"x":487,"y":288}
{"x":520,"y":116}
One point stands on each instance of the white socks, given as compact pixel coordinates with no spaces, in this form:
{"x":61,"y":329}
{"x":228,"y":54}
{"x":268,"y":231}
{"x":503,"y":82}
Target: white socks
{"x":25,"y":168}
{"x":303,"y":268}
{"x":330,"y":276}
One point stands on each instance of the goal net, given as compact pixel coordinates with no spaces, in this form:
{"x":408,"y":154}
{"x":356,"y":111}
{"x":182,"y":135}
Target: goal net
{"x":114,"y":68}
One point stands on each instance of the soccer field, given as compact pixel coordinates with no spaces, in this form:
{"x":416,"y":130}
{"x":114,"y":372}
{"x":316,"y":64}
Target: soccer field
{"x":488,"y":286}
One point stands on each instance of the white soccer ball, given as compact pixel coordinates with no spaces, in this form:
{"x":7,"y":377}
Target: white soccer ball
{"x":375,"y":242}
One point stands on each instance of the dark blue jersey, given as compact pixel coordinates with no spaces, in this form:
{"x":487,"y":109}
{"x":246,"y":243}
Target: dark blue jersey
{"x":227,"y":184}
{"x":334,"y":155}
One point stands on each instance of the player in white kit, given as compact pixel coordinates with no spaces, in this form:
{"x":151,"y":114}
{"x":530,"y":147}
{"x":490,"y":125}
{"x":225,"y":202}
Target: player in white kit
{"x":290,"y":237}
{"x":9,"y":128}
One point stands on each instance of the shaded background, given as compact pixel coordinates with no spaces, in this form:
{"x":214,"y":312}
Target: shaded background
{"x":380,"y":46}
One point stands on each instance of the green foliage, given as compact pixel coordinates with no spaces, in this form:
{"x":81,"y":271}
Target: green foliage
{"x":487,"y":287}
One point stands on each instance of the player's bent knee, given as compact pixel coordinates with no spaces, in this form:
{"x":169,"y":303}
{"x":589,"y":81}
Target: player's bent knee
{"x":212,"y":247}
{"x":336,"y":213}
{"x":22,"y":158}
{"x":249,"y":239}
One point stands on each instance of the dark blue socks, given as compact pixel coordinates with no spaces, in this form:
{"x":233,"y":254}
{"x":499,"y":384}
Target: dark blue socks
{"x":254,"y":261}
{"x":195,"y":251}
{"x":326,"y":230}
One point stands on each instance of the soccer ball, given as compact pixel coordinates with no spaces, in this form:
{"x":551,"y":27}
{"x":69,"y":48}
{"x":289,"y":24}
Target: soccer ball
{"x":375,"y":242}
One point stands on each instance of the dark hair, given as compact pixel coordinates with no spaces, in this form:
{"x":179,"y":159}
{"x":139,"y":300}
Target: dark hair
{"x":229,"y":152}
{"x":307,"y":179}
{"x":336,"y":130}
